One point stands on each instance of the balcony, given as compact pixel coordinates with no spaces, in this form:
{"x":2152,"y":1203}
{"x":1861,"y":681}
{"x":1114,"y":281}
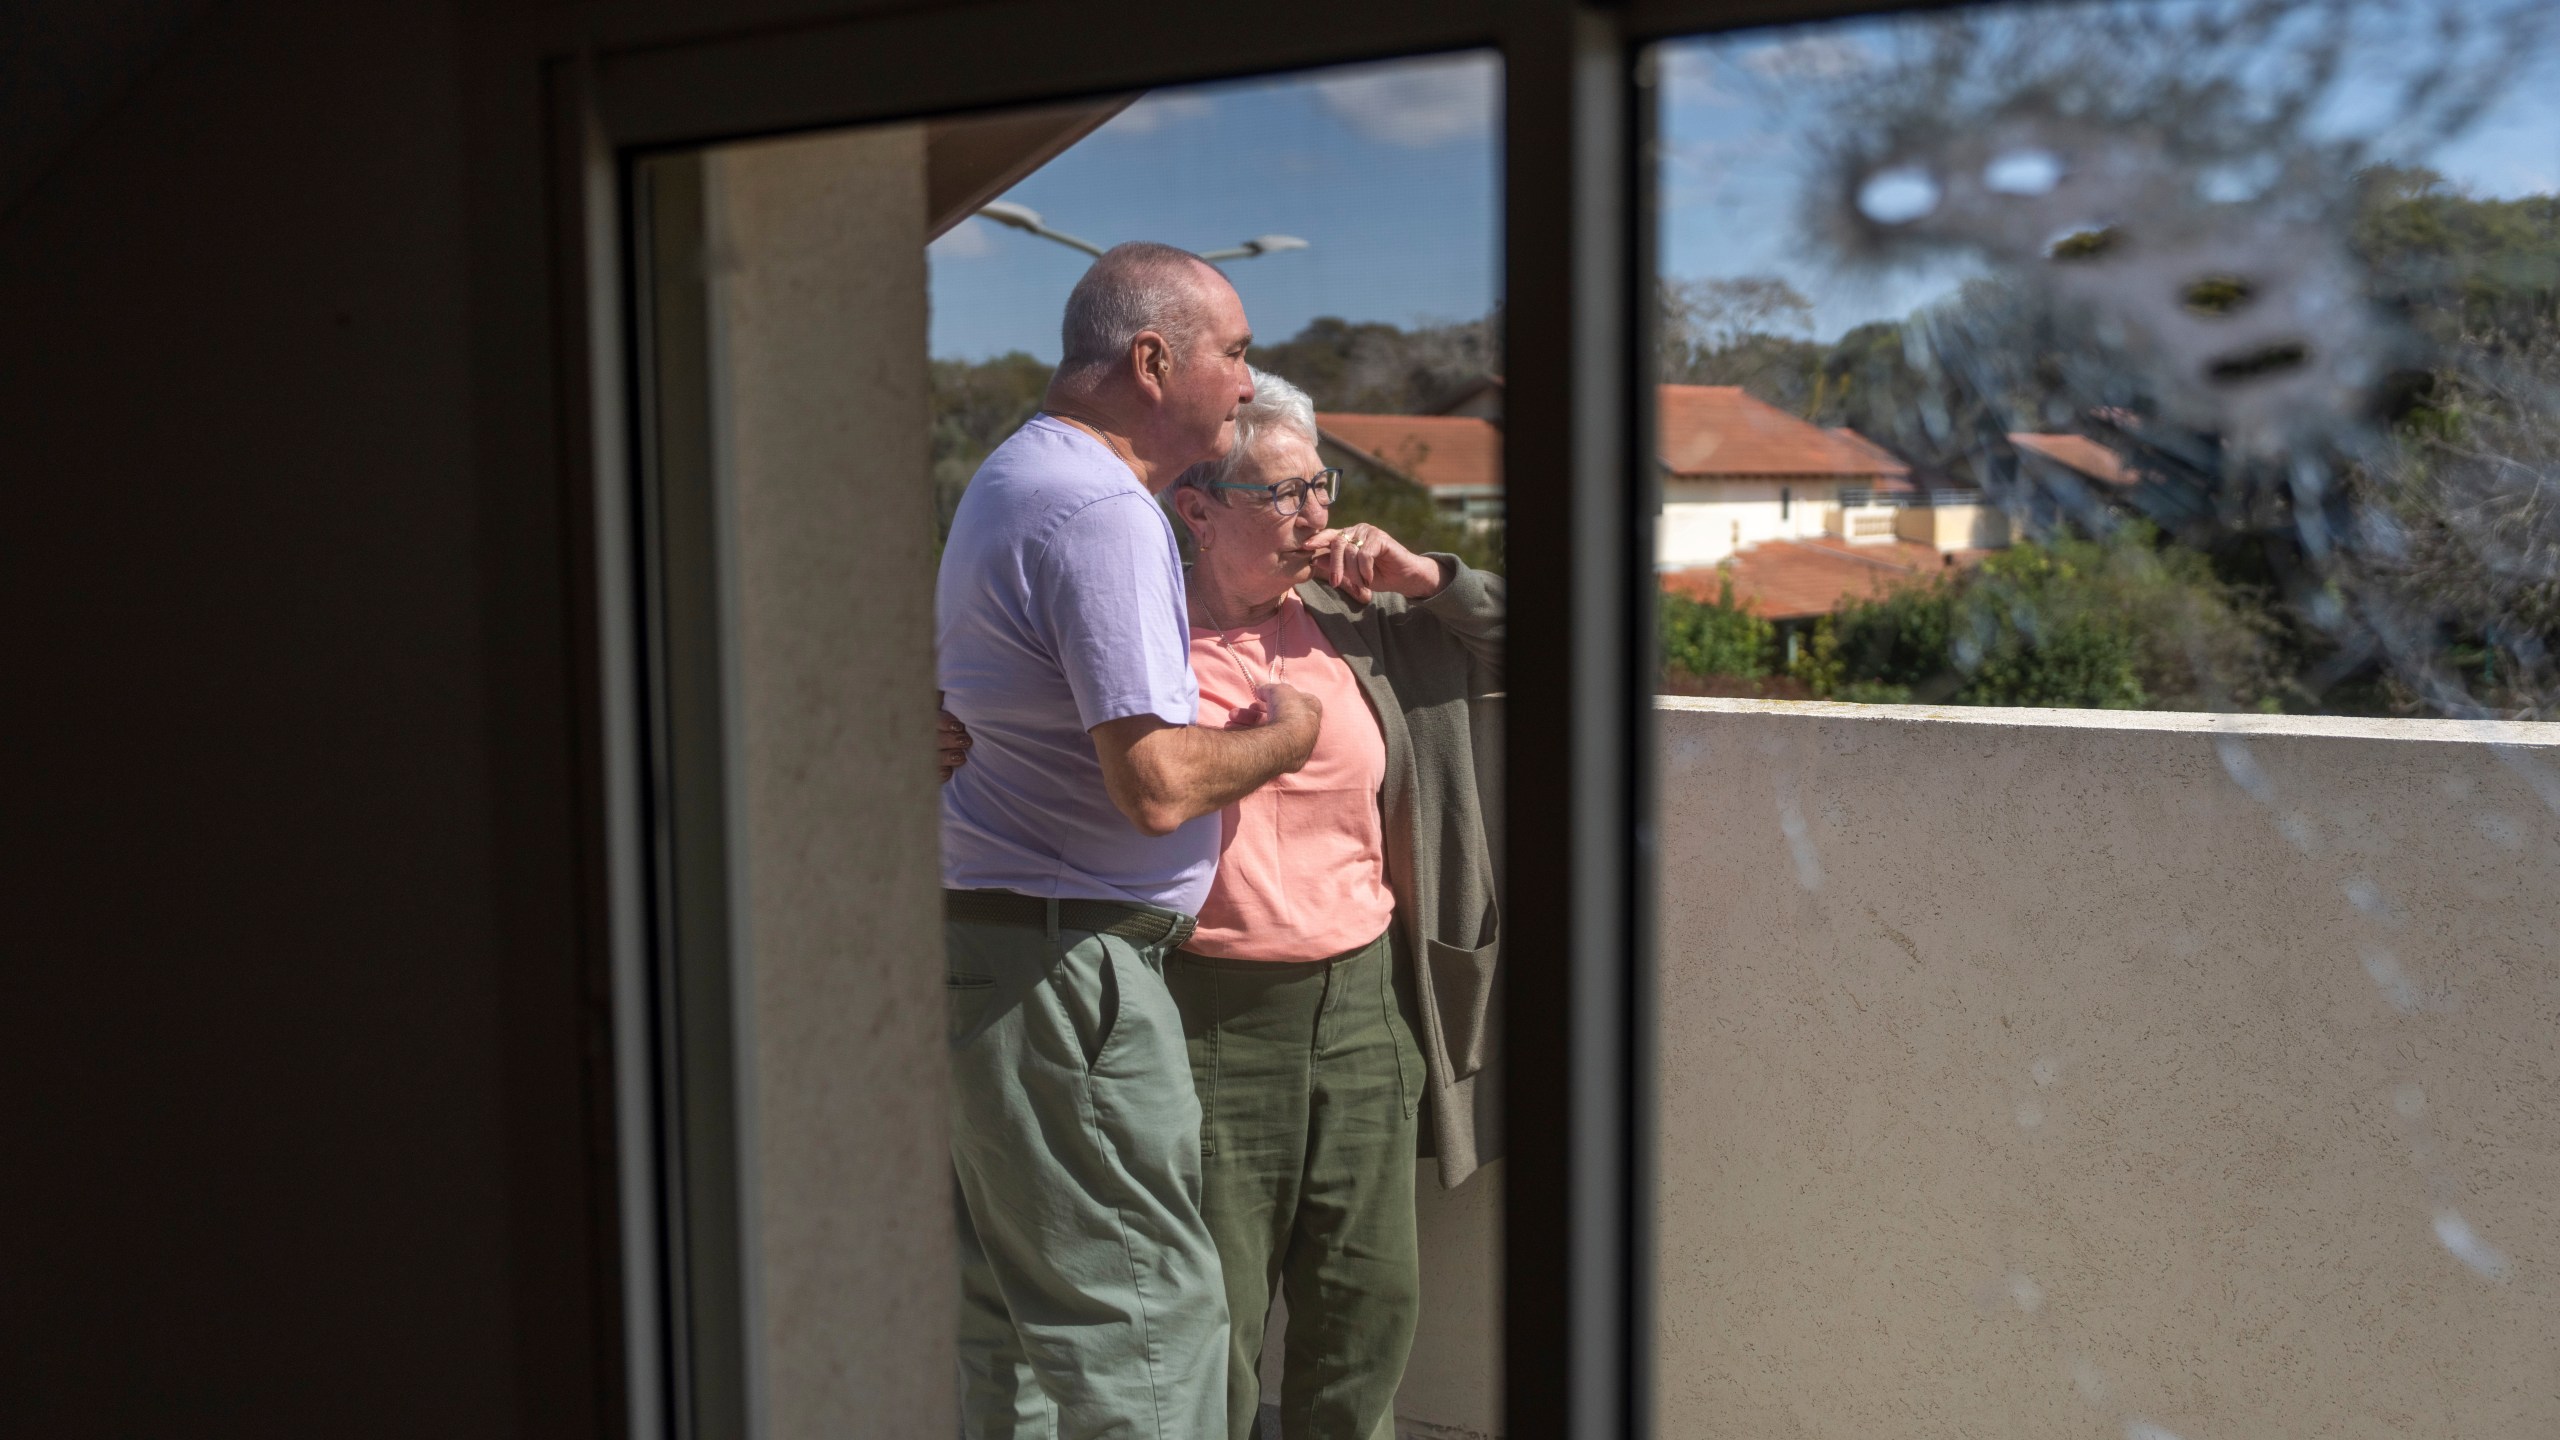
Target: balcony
{"x":2087,"y":1073}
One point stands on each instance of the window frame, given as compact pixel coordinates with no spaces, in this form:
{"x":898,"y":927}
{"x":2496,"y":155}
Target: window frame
{"x":562,"y":101}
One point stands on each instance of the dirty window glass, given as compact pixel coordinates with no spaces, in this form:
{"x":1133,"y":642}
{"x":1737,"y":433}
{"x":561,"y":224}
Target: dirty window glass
{"x":2130,"y":1014}
{"x":2160,"y":356}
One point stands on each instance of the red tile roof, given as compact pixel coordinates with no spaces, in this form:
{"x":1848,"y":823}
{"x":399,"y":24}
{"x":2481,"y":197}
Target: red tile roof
{"x":1709,"y":432}
{"x":2079,"y":452}
{"x":1892,"y":476}
{"x":1718,"y":431}
{"x":1799,"y":579}
{"x":1440,"y":451}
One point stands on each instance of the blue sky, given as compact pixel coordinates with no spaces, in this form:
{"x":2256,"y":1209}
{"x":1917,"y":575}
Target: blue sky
{"x":1737,"y":110}
{"x":1391,"y":172}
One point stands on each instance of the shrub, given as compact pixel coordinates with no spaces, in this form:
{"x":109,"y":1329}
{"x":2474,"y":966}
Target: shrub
{"x":2117,"y":624}
{"x":1719,"y":637}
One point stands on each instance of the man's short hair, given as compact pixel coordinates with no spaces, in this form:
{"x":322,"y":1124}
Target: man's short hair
{"x":1277,"y":408}
{"x":1138,"y":286}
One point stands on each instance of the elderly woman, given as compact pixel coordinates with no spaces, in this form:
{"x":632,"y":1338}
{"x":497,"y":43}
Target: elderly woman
{"x":1352,"y":899}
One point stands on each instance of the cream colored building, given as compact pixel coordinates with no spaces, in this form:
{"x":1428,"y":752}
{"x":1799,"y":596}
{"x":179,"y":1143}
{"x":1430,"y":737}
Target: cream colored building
{"x":1737,"y":473}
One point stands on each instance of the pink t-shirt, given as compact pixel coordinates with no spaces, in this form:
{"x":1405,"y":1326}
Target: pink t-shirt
{"x":1302,"y":862}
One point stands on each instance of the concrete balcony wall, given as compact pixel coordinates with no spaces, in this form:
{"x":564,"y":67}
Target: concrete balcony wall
{"x":2069,"y":1073}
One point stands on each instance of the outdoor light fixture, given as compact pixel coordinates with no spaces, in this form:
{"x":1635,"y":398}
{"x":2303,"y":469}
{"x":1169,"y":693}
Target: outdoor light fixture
{"x":1258,"y":245}
{"x":1024,"y":218}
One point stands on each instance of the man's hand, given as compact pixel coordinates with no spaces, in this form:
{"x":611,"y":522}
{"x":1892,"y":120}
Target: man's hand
{"x":1290,"y":707}
{"x":1361,"y":560}
{"x":951,"y":741}
{"x":1163,"y":776}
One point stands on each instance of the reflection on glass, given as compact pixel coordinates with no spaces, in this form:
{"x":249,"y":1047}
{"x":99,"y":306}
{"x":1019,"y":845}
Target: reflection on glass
{"x":2157,"y":1075}
{"x":2167,"y":356}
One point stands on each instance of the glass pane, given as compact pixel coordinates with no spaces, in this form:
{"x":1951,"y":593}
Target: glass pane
{"x":2172,"y":1071}
{"x":1199,"y":545}
{"x":2157,"y":357}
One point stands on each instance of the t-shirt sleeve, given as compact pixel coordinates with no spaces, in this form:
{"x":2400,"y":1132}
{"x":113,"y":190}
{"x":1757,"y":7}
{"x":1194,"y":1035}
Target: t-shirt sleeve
{"x":1108,"y":588}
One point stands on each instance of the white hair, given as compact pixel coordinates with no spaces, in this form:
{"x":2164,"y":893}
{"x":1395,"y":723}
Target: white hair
{"x":1134,"y":287}
{"x":1277,"y":408}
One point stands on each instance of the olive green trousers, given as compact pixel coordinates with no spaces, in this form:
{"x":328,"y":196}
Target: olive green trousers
{"x":1310,"y":1086}
{"x":1090,"y":1304}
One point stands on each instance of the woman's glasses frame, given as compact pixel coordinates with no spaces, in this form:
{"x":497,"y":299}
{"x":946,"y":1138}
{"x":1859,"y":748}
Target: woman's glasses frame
{"x":1288,"y":497}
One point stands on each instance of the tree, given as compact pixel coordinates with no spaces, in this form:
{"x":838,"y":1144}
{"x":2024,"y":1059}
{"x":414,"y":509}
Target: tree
{"x":1374,"y":367}
{"x":975,"y":406}
{"x":1702,"y":317}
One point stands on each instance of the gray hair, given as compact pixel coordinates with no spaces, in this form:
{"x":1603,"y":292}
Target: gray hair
{"x":1277,"y":408}
{"x":1137,"y":286}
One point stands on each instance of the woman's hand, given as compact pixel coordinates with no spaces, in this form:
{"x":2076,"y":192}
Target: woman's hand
{"x":1361,"y":560}
{"x":951,"y":742}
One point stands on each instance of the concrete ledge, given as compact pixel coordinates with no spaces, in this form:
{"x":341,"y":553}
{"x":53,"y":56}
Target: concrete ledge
{"x":2072,"y":1072}
{"x":2166,"y":722}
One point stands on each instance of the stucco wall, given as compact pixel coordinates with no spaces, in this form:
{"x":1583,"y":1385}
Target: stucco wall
{"x":1698,"y":518}
{"x":819,"y":309}
{"x":1953,"y":527}
{"x":2052,"y":1073}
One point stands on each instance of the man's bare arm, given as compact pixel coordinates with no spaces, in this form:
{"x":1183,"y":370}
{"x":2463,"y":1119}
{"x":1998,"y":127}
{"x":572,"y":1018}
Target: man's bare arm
{"x":1162,"y":775}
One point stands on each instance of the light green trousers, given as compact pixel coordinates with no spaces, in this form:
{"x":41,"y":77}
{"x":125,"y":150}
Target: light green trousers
{"x":1310,"y":1086}
{"x":1091,"y":1306}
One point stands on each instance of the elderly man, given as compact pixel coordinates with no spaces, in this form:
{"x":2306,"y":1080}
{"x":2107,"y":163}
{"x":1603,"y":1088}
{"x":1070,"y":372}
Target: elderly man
{"x":1078,"y":842}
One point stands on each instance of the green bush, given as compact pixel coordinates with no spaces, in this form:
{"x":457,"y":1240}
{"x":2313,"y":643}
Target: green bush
{"x":2088,"y":624}
{"x":1715,"y":637}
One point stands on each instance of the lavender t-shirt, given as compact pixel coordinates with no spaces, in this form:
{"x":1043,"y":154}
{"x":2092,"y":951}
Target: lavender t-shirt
{"x":1059,"y":607}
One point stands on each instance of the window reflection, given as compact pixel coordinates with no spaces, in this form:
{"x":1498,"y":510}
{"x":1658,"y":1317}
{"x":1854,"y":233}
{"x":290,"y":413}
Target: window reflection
{"x":2157,"y":357}
{"x":2048,"y":1070}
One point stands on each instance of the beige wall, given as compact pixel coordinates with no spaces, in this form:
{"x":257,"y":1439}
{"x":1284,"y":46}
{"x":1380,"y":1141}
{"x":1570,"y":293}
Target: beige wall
{"x":1699,"y":518}
{"x":2044,"y":1073}
{"x":819,"y":312}
{"x":1953,"y":527}
{"x":1860,"y":524}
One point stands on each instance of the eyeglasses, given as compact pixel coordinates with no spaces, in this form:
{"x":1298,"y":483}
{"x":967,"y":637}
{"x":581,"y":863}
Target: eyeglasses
{"x":1290,"y":496}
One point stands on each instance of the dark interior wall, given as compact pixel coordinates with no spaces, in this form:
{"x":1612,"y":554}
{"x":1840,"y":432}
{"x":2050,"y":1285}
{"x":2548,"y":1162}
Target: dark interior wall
{"x":274,"y":1163}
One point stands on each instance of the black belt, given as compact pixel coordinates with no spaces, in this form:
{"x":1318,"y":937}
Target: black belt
{"x":1144,"y":924}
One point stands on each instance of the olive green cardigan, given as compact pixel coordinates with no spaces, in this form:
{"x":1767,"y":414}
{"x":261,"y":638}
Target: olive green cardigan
{"x":1432,"y":672}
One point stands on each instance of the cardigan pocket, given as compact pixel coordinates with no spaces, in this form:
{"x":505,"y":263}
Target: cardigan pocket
{"x":1461,"y":996}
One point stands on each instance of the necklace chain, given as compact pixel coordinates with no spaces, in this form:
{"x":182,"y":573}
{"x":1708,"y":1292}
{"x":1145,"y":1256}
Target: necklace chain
{"x":1279,"y":665}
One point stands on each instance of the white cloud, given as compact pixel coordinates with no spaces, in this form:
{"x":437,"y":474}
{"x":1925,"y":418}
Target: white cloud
{"x":1157,"y":109}
{"x":968,"y":240}
{"x":1809,"y":57}
{"x":1415,"y":103}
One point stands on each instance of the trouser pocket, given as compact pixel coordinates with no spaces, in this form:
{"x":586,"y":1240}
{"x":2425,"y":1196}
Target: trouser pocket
{"x":1411,"y":1073}
{"x":1090,"y":989}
